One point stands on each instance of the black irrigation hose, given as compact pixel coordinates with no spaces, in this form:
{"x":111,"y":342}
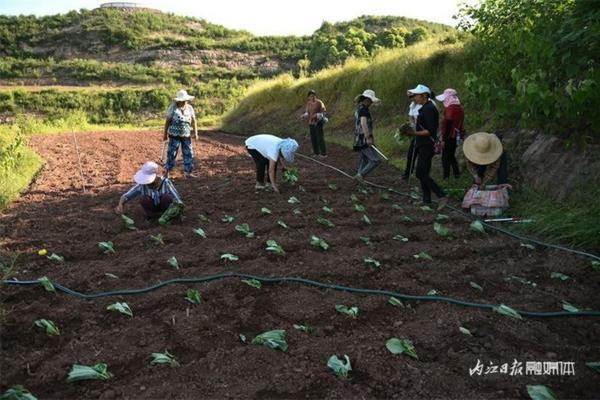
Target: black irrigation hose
{"x":307,"y":282}
{"x":471,"y":217}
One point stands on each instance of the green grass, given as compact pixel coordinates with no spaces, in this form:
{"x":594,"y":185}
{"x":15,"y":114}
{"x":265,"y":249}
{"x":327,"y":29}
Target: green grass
{"x":18,"y":179}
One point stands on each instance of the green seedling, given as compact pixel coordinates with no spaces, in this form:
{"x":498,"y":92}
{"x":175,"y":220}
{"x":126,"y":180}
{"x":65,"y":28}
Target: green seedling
{"x":476,"y":286}
{"x":396,"y":206}
{"x":123,"y":308}
{"x":282,"y":224}
{"x":252,"y":282}
{"x":293,"y":200}
{"x":47,"y":284}
{"x":193,"y":296}
{"x":359,"y":207}
{"x":317,"y":241}
{"x":426,"y":209}
{"x":365,"y":219}
{"x":372,"y":262}
{"x":85,"y":372}
{"x":324,"y":200}
{"x":274,"y":339}
{"x":290,"y":176}
{"x":400,"y":238}
{"x":520,"y":280}
{"x":401,"y":346}
{"x":229,"y":257}
{"x":274,"y":247}
{"x":414,"y":195}
{"x":128,"y":222}
{"x":385,"y":196}
{"x":332,"y":186}
{"x":56,"y":258}
{"x":327,"y":209}
{"x":200,"y":232}
{"x":164,"y":358}
{"x":540,"y":392}
{"x":363,"y":190}
{"x":440,"y":229}
{"x":266,"y":211}
{"x":423,"y":256}
{"x":441,"y":217}
{"x":297,"y":211}
{"x":433,"y":292}
{"x":349,"y":311}
{"x":108,"y":274}
{"x":304,"y":328}
{"x":569,"y":307}
{"x":477,"y":226}
{"x":465,"y":331}
{"x":106,"y":247}
{"x":528,"y":246}
{"x":173,"y":262}
{"x":17,"y":392}
{"x":395,"y":302}
{"x":203,"y":218}
{"x":406,"y":218}
{"x":366,"y":240}
{"x":558,"y":275}
{"x":242,"y":338}
{"x":340,"y":368}
{"x":48,"y":326}
{"x":596,"y":266}
{"x":325,"y":222}
{"x":244,"y":229}
{"x":227,"y":219}
{"x":353,"y":198}
{"x":158,"y":239}
{"x":507,"y":311}
{"x":301,"y":189}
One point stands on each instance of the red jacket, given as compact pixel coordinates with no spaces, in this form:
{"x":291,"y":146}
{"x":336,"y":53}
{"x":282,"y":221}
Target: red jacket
{"x":454,"y":116}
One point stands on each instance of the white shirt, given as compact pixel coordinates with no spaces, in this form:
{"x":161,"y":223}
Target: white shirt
{"x":413,"y":109}
{"x":267,"y":145}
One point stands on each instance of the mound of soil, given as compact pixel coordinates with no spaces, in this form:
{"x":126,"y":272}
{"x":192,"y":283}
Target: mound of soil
{"x":56,"y":214}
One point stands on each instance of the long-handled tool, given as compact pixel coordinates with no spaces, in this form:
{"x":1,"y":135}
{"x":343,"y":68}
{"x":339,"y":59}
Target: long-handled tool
{"x":379,"y":152}
{"x":412,"y":161}
{"x":163,"y":150}
{"x":511,"y":220}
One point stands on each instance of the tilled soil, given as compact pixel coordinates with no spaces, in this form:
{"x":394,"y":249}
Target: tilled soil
{"x":58,"y":215}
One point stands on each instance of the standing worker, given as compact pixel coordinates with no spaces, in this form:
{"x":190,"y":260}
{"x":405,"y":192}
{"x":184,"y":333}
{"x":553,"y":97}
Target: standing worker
{"x":314,"y":111}
{"x":413,"y":113}
{"x":268,"y":151}
{"x":452,"y":127}
{"x":368,"y":159}
{"x":179,"y":125}
{"x":425,"y":136}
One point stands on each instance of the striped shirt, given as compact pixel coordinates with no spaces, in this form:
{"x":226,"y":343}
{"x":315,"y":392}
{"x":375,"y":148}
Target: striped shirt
{"x":166,"y":186}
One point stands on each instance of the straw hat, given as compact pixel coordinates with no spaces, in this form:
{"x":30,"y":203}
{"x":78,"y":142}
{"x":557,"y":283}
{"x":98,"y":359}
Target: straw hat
{"x":482,"y":148}
{"x":147,"y":173}
{"x":183,"y":95}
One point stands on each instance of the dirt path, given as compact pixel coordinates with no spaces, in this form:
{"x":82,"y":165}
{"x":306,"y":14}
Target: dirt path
{"x":55,"y":214}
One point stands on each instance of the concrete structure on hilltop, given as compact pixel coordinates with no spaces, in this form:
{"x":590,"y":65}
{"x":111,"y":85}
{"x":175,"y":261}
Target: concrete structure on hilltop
{"x":126,"y":6}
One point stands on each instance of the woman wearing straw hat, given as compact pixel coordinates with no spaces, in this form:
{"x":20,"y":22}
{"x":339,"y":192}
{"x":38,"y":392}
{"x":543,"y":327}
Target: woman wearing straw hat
{"x":425,"y":135}
{"x":368,"y":158}
{"x":268,"y":151}
{"x":485,"y":158}
{"x":156,"y":193}
{"x":179,"y":124}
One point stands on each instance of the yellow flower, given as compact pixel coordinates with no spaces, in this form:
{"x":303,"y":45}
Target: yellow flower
{"x":42,"y":252}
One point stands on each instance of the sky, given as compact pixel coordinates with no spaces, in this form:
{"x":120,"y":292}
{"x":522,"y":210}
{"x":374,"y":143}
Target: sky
{"x":263,"y":17}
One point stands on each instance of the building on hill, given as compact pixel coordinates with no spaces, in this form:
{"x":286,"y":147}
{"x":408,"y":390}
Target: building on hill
{"x":126,"y":6}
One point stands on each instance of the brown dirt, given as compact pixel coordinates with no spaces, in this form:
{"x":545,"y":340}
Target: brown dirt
{"x":55,"y":214}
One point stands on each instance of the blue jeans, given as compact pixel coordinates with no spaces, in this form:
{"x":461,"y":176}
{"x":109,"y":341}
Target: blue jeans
{"x":368,"y":160}
{"x":186,"y":149}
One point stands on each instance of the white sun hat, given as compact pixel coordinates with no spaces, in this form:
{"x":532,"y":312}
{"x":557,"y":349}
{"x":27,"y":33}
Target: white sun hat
{"x":420,"y":89}
{"x":183,"y":95}
{"x":146,"y":174}
{"x":370,"y":94}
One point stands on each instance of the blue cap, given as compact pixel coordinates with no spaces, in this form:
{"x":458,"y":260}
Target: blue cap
{"x":288,"y":147}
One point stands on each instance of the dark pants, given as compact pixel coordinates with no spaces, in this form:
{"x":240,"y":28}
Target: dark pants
{"x":502,"y":174}
{"x":262,"y":166}
{"x":317,"y":138}
{"x":410,"y":161}
{"x":424,"y":156}
{"x":152,"y":210}
{"x":449,"y":158}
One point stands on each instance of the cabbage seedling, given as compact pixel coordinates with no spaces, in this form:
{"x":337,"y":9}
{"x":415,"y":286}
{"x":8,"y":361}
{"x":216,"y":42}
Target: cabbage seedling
{"x":301,"y":189}
{"x":164,"y":358}
{"x":366,"y":219}
{"x":596,"y":266}
{"x":48,"y":326}
{"x":569,"y":307}
{"x":442,"y":217}
{"x":465,"y":331}
{"x":85,"y":372}
{"x":433,"y":292}
{"x":520,"y":280}
{"x":17,"y":392}
{"x":203,"y":218}
{"x":290,"y":176}
{"x":366,"y":240}
{"x":317,"y":241}
{"x":328,"y":209}
{"x":128,"y":222}
{"x":440,"y":229}
{"x":229,"y":257}
{"x":406,"y":218}
{"x":400,"y":238}
{"x":200,"y":232}
{"x":340,"y":368}
{"x":401,"y":346}
{"x":56,"y":258}
{"x":252,"y":282}
{"x":540,"y":392}
{"x":426,"y":209}
{"x":227,"y":219}
{"x":395,"y":302}
{"x":558,"y":275}
{"x":244,"y":229}
{"x":274,"y":247}
{"x":423,"y":256}
{"x":372,"y":262}
{"x":158,"y":239}
{"x":353,"y":198}
{"x":123,"y":308}
{"x":266,"y":211}
{"x":193,"y":296}
{"x":173,"y":262}
{"x":476,"y":286}
{"x":477,"y":226}
{"x":332,"y":186}
{"x":325,"y":222}
{"x":47,"y":284}
{"x":293,"y":200}
{"x":528,"y":246}
{"x":297,"y":211}
{"x":507,"y":311}
{"x":396,"y":206}
{"x":274,"y":339}
{"x":106,"y":247}
{"x":359,"y":207}
{"x":349,"y":311}
{"x":385,"y":196}
{"x":282,"y":224}
{"x":304,"y":328}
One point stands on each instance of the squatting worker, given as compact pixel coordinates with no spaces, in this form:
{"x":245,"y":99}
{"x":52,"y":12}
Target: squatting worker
{"x":425,"y":136}
{"x":179,"y":125}
{"x":314,"y":112}
{"x":268,"y":151}
{"x":156,"y":193}
{"x":368,"y":158}
{"x":452,"y":128}
{"x":486,"y":159}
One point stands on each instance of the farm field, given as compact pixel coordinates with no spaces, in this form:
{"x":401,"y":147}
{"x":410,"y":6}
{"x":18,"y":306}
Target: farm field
{"x":57,"y":215}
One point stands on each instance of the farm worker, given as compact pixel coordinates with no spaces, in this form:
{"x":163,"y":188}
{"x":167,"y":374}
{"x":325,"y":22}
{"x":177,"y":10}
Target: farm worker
{"x":413,"y":113}
{"x":315,"y":110}
{"x":368,"y":158}
{"x":425,"y":134}
{"x":268,"y":151}
{"x":452,"y":128}
{"x":486,"y":158}
{"x":156,"y":193}
{"x":179,"y":125}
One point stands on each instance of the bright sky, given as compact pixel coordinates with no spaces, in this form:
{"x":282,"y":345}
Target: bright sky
{"x":263,"y":17}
